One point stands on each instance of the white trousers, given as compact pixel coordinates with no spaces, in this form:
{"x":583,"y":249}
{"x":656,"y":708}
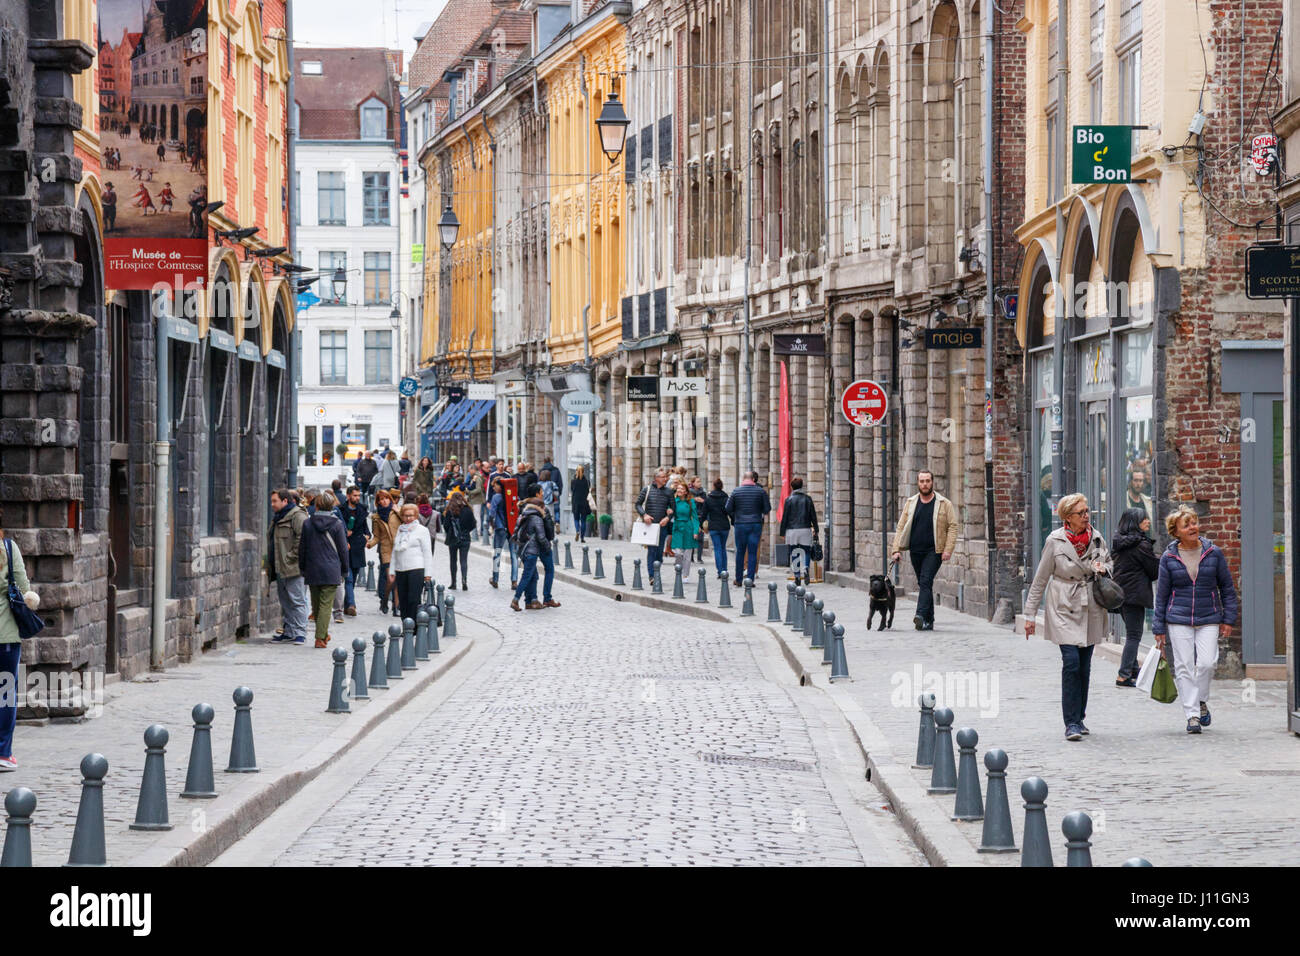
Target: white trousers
{"x":1196,"y":651}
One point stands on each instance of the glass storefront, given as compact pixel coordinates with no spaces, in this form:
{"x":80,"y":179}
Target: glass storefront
{"x":1042,"y":445}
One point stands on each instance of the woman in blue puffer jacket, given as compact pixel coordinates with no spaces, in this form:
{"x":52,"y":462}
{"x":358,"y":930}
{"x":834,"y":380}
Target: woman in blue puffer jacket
{"x":1196,"y":603}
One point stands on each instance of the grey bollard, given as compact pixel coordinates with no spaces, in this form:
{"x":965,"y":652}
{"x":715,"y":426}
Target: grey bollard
{"x":370,"y":575}
{"x":618,"y":571}
{"x":657,"y":578}
{"x":789,"y":605}
{"x":408,"y":644}
{"x":1037,"y":847}
{"x":827,"y":636}
{"x":442,"y":604}
{"x":679,"y":592}
{"x":88,"y":835}
{"x":636,"y":575}
{"x":394,"y":662}
{"x":969,"y":804}
{"x":997,"y":836}
{"x":806,"y":618}
{"x":243,"y":758}
{"x":925,"y":736}
{"x":796,"y":619}
{"x":586,"y":560}
{"x":568,"y":557}
{"x":449,"y":622}
{"x":199,"y":783}
{"x":724,"y":592}
{"x":338,"y":702}
{"x":431,"y":632}
{"x":1077,"y":827}
{"x":20,"y":804}
{"x":839,"y":663}
{"x":1131,"y":861}
{"x":943,"y":777}
{"x":818,"y":629}
{"x":422,"y":635}
{"x":747,"y":605}
{"x":702,"y":589}
{"x":773,"y":603}
{"x":378,"y":664}
{"x":600,"y":568}
{"x":359,"y":690}
{"x":151,"y":808}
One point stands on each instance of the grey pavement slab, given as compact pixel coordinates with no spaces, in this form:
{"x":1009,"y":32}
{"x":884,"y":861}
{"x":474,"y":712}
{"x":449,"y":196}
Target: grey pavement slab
{"x":1138,"y":774}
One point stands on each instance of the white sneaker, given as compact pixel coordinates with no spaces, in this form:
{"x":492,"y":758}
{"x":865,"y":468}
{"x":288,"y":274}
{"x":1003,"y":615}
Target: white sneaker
{"x":8,"y":764}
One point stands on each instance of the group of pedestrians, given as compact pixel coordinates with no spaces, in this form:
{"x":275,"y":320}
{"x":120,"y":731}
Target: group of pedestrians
{"x":1193,"y":605}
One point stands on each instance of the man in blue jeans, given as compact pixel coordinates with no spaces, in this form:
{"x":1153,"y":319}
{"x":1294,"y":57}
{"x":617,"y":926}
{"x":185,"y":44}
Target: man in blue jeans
{"x":748,"y":506}
{"x":655,"y":506}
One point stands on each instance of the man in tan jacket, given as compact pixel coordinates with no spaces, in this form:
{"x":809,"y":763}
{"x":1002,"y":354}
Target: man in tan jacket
{"x":928,"y":531}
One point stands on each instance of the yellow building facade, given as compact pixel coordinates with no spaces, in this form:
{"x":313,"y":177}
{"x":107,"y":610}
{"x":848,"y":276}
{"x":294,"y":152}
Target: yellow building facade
{"x":587,"y":193}
{"x":469,"y":340}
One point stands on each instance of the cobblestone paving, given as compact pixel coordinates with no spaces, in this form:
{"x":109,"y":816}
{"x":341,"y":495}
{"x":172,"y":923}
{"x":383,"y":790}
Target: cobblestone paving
{"x":599,"y":734}
{"x":291,"y":688}
{"x":1151,"y":789}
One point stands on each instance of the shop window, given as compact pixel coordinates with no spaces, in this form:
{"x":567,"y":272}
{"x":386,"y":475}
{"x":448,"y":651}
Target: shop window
{"x":310,"y":451}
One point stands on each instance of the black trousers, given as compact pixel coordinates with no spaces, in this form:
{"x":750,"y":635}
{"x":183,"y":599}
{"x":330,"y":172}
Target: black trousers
{"x":459,"y":550}
{"x":1135,"y":618}
{"x":406,"y":592}
{"x":926,"y":565}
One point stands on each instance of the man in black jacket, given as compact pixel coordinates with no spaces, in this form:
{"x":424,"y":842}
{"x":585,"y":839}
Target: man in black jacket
{"x":654,"y":505}
{"x":357,"y":530}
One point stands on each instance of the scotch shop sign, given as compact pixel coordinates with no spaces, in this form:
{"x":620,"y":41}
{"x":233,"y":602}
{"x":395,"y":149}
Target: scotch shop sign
{"x":1101,"y":154}
{"x":1272,"y":272}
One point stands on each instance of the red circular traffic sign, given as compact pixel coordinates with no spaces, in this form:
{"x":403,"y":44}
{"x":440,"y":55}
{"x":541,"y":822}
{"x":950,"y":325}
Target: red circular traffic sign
{"x":864,"y":403}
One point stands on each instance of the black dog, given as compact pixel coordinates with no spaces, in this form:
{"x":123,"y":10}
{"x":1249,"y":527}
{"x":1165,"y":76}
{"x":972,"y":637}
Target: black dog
{"x":882,"y":600}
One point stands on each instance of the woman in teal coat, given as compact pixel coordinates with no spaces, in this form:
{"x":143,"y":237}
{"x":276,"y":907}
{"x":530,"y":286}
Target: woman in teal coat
{"x":686,"y":527}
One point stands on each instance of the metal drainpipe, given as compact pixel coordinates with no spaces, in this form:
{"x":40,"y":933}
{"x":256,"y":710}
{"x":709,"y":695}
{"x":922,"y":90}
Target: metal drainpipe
{"x":492,"y":140}
{"x":749,"y":258}
{"x":989,"y":278}
{"x":1058,"y":338}
{"x":162,"y":487}
{"x":591,"y":278}
{"x":828,"y":322}
{"x":293,"y":358}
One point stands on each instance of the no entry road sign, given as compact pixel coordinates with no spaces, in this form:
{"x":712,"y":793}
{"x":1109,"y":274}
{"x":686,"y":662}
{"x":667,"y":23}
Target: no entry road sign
{"x":864,"y":403}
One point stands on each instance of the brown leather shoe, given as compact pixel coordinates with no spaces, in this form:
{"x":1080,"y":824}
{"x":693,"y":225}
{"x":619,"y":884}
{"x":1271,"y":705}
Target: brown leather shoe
{"x":350,"y":612}
{"x":551,"y":604}
{"x":320,"y":643}
{"x":514,"y":606}
{"x":492,"y":581}
{"x":535,"y":605}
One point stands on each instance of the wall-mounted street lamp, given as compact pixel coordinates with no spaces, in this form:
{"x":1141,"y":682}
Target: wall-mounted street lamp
{"x":448,"y":227}
{"x":612,"y":123}
{"x":339,"y":283}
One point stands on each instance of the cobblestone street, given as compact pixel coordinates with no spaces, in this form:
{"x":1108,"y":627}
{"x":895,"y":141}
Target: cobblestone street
{"x":604,"y":733}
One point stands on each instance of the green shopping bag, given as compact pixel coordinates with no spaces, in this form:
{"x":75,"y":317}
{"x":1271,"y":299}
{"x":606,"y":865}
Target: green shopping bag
{"x":1163,"y":688}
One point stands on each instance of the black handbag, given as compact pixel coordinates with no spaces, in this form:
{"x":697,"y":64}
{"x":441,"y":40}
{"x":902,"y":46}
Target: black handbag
{"x":29,"y":624}
{"x":817,"y":552}
{"x":1106,"y":591}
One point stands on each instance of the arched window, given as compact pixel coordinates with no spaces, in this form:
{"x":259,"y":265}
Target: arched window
{"x":943,"y":185}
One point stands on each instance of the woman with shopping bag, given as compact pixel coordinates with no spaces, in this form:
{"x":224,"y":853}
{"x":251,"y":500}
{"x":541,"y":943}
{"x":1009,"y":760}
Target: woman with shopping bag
{"x":1073,"y":555}
{"x":1196,"y":604}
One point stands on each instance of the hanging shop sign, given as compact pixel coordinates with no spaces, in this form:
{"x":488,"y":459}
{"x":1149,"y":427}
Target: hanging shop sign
{"x":1101,"y":154}
{"x":580,"y":403}
{"x":1272,"y":272}
{"x":153,"y":137}
{"x":480,"y":392}
{"x":798,"y":345}
{"x":642,"y":388}
{"x":966,"y":337}
{"x":408,"y":386}
{"x":683,"y":386}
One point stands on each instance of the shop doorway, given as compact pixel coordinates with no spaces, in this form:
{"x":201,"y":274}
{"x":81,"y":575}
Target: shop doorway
{"x":1263,"y":531}
{"x":1094,"y":456}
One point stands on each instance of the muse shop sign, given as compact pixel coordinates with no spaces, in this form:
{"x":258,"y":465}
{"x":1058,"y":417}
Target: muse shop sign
{"x":1272,"y":272}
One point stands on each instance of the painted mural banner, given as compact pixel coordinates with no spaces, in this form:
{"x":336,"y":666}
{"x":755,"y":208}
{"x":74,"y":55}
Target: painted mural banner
{"x":154,"y":142}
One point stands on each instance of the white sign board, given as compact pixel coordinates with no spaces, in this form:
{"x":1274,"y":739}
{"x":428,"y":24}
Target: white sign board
{"x":480,"y":392}
{"x":683,"y":387}
{"x":580,"y":403}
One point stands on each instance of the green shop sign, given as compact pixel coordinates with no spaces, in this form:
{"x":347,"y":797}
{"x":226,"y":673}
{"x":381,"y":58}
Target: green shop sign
{"x":1101,"y":154}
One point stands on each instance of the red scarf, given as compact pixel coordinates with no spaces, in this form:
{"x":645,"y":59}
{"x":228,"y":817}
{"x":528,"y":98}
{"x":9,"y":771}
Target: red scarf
{"x":1080,"y":541}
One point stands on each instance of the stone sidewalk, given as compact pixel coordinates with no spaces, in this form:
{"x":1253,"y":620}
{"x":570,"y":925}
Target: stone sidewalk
{"x":1151,"y":789}
{"x":293,"y":736}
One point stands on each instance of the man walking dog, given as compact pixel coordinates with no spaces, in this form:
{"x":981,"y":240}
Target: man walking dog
{"x":928,"y":531}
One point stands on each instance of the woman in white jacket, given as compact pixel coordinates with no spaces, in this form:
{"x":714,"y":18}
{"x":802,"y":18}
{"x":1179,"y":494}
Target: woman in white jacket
{"x":411,"y":564}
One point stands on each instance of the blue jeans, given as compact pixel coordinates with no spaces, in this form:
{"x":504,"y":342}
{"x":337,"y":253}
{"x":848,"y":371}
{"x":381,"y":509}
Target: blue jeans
{"x":747,"y":537}
{"x":1076,"y":667}
{"x":655,"y":555}
{"x":527,"y":579}
{"x":500,"y":541}
{"x":9,"y":654}
{"x":719,"y":539}
{"x":349,"y":594}
{"x":547,"y":561}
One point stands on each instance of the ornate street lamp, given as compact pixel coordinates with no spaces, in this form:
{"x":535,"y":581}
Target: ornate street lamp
{"x":339,"y":283}
{"x":612,"y":123}
{"x":448,"y":227}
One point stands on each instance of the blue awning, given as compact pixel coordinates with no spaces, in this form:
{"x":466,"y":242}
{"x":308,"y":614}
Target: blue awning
{"x":473,"y":417}
{"x":446,"y":423}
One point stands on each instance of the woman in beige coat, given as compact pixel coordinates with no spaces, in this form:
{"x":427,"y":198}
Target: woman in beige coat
{"x":1072,"y":619}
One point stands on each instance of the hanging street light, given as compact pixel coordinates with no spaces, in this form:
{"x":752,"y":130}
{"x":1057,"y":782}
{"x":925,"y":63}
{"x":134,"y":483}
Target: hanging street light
{"x":612,"y":123}
{"x":448,"y":227}
{"x":339,"y":283}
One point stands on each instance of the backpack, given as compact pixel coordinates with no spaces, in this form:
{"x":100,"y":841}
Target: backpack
{"x":548,"y":525}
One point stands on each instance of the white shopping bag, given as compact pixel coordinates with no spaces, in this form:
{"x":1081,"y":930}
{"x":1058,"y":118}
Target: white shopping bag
{"x":647,"y":534}
{"x":1148,"y":672}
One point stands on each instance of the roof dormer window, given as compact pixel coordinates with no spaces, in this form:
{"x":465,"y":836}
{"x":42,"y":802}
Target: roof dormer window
{"x":312,"y":68}
{"x":374,"y":120}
